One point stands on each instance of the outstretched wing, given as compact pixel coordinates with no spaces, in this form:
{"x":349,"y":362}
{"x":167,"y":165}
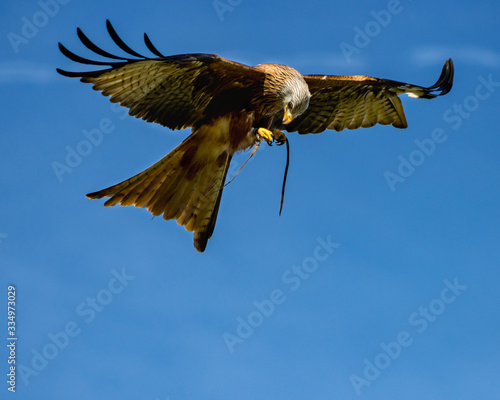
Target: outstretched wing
{"x":176,"y":91}
{"x":350,"y":102}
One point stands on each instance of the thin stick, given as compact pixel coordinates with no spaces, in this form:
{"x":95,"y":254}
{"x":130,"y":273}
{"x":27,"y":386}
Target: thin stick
{"x":248,"y":159}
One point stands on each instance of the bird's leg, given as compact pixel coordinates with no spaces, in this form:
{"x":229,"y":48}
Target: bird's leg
{"x":270,"y":136}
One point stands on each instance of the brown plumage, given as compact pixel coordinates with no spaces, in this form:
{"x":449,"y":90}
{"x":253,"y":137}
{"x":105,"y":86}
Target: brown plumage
{"x":226,"y":104}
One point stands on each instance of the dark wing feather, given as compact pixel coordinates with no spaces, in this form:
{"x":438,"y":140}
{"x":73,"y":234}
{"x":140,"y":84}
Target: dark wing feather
{"x":176,"y":91}
{"x":151,"y":47}
{"x":350,"y":102}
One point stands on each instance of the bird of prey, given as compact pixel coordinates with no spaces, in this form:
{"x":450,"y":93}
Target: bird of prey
{"x":229,"y":107}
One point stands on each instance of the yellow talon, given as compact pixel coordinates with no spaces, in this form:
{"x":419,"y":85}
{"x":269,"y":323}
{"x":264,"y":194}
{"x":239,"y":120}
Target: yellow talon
{"x":270,"y":136}
{"x":266,"y":134}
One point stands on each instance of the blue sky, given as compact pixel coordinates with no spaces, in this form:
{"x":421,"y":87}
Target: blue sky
{"x":365,"y":287}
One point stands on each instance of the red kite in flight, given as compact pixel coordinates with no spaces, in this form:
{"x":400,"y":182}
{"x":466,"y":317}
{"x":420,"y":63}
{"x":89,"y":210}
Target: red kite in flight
{"x":229,"y":107}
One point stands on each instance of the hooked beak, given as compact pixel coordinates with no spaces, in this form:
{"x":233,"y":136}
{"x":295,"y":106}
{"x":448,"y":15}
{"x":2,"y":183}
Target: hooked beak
{"x":287,"y":117}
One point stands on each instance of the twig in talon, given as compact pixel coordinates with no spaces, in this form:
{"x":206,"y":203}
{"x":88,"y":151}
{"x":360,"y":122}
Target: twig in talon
{"x":257,"y":144}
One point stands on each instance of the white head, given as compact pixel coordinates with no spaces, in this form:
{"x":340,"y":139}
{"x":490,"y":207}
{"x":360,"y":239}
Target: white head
{"x":290,"y":87}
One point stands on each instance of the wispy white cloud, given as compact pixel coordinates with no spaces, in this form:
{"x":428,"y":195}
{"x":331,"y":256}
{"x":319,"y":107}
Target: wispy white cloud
{"x":306,"y":62}
{"x":472,"y":55}
{"x":331,"y":62}
{"x":25,"y":72}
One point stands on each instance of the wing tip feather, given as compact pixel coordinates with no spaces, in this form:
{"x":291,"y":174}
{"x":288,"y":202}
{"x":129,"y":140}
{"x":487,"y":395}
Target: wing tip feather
{"x":113,"y":61}
{"x":442,"y":86}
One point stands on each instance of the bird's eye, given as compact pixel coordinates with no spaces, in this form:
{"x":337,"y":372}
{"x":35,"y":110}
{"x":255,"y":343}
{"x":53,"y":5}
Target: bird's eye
{"x":290,"y":106}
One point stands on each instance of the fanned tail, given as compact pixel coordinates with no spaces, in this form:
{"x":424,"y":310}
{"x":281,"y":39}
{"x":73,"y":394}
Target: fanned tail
{"x":185,"y":185}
